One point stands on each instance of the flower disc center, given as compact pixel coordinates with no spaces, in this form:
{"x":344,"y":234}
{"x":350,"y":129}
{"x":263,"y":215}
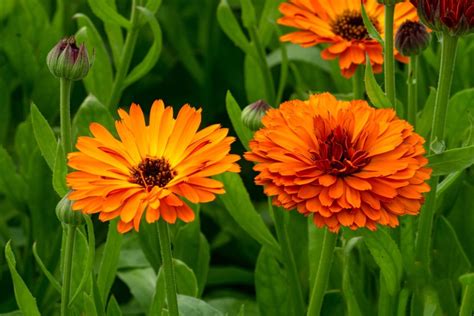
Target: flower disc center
{"x":153,"y":172}
{"x":350,"y":26}
{"x":337,"y":156}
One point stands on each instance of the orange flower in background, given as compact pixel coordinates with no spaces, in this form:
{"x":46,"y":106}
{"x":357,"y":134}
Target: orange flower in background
{"x":150,"y":168}
{"x":344,"y":162}
{"x":339,"y":24}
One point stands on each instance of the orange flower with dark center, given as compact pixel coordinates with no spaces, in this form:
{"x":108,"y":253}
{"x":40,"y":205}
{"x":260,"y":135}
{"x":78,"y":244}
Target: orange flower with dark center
{"x":344,"y":162}
{"x":150,"y":168}
{"x":340,"y":24}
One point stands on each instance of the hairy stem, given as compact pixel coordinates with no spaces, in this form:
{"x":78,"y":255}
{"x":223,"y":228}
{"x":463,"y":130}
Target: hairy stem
{"x":389,"y":62}
{"x":168,"y":269}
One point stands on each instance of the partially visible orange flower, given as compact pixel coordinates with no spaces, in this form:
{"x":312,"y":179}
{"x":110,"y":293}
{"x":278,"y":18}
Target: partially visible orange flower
{"x":339,"y":24}
{"x":344,"y":162}
{"x":150,"y":168}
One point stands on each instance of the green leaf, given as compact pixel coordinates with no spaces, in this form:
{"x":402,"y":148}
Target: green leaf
{"x":460,"y":119}
{"x":5,"y":110}
{"x":159,"y":295}
{"x":186,"y":282}
{"x":152,"y":56}
{"x":150,"y":244}
{"x":234,"y":112}
{"x":350,"y":294}
{"x":370,"y":27}
{"x":425,"y":119}
{"x":271,"y":285}
{"x":113,"y":309}
{"x":100,"y":78}
{"x":451,"y":160}
{"x":192,"y":306}
{"x":310,"y":55}
{"x":107,"y":14}
{"x":114,"y":37}
{"x":89,"y":305}
{"x":91,"y":110}
{"x":248,"y":13}
{"x":449,"y":259}
{"x":25,"y":300}
{"x":141,"y":283}
{"x":254,"y":82}
{"x":237,"y":202}
{"x":109,"y":262}
{"x":60,"y":172}
{"x":11,"y":182}
{"x":43,"y":268}
{"x":173,"y":24}
{"x":387,"y":256}
{"x":153,"y":5}
{"x":267,"y":23}
{"x":231,"y":27}
{"x":375,"y":93}
{"x":44,"y":136}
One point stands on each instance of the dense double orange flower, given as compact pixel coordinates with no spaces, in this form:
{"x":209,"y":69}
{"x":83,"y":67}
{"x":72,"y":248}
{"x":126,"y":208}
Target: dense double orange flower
{"x":344,"y":162}
{"x":339,"y":24}
{"x":150,"y":167}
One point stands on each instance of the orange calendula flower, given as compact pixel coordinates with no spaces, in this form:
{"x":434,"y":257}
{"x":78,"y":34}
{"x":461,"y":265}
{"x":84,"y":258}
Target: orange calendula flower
{"x":339,"y":24}
{"x":150,"y":167}
{"x":344,"y":162}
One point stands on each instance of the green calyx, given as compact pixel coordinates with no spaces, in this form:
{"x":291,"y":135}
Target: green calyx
{"x":253,"y":113}
{"x":68,"y":61}
{"x":65,"y":213}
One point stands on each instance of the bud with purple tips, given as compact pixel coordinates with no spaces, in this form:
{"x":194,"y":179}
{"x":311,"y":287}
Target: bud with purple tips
{"x":253,"y":113}
{"x":68,"y":61}
{"x":412,"y":38}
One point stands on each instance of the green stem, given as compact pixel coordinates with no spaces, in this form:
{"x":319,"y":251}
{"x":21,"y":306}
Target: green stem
{"x":467,"y":305}
{"x":412,"y":90}
{"x":262,"y":61}
{"x":125,"y":59}
{"x":322,"y":274}
{"x":389,"y":62}
{"x":358,"y":83}
{"x":65,"y":114}
{"x":403,"y":300}
{"x":425,"y":226}
{"x":170,"y":281}
{"x":68,"y":253}
{"x":288,"y":260}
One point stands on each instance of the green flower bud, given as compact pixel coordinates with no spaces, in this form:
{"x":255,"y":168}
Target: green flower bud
{"x":68,"y":61}
{"x":65,"y":213}
{"x":253,"y":113}
{"x":412,"y":38}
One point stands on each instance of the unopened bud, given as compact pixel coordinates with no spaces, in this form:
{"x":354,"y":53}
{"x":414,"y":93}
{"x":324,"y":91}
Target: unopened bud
{"x":253,"y":113}
{"x":68,"y":61}
{"x":66,"y":214}
{"x":412,"y":38}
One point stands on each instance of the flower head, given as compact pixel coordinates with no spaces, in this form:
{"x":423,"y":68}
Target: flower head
{"x":344,"y":162}
{"x":453,"y":16}
{"x":150,"y":168}
{"x":340,"y":24}
{"x":68,"y":61}
{"x":412,"y":38}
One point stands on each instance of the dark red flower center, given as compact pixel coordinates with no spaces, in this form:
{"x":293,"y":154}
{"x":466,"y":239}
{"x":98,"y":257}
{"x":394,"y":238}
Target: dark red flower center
{"x":337,"y":156}
{"x":153,"y":172}
{"x":350,"y":26}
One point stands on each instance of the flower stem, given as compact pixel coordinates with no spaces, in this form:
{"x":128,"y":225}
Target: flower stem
{"x":125,"y":59}
{"x":168,"y":269}
{"x":322,"y":274}
{"x":68,"y":254}
{"x":412,"y":90}
{"x":66,"y":142}
{"x":389,"y":61}
{"x":425,"y":226}
{"x":262,"y":61}
{"x":65,"y":114}
{"x":386,"y":301}
{"x":358,"y":83}
{"x":289,"y":261}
